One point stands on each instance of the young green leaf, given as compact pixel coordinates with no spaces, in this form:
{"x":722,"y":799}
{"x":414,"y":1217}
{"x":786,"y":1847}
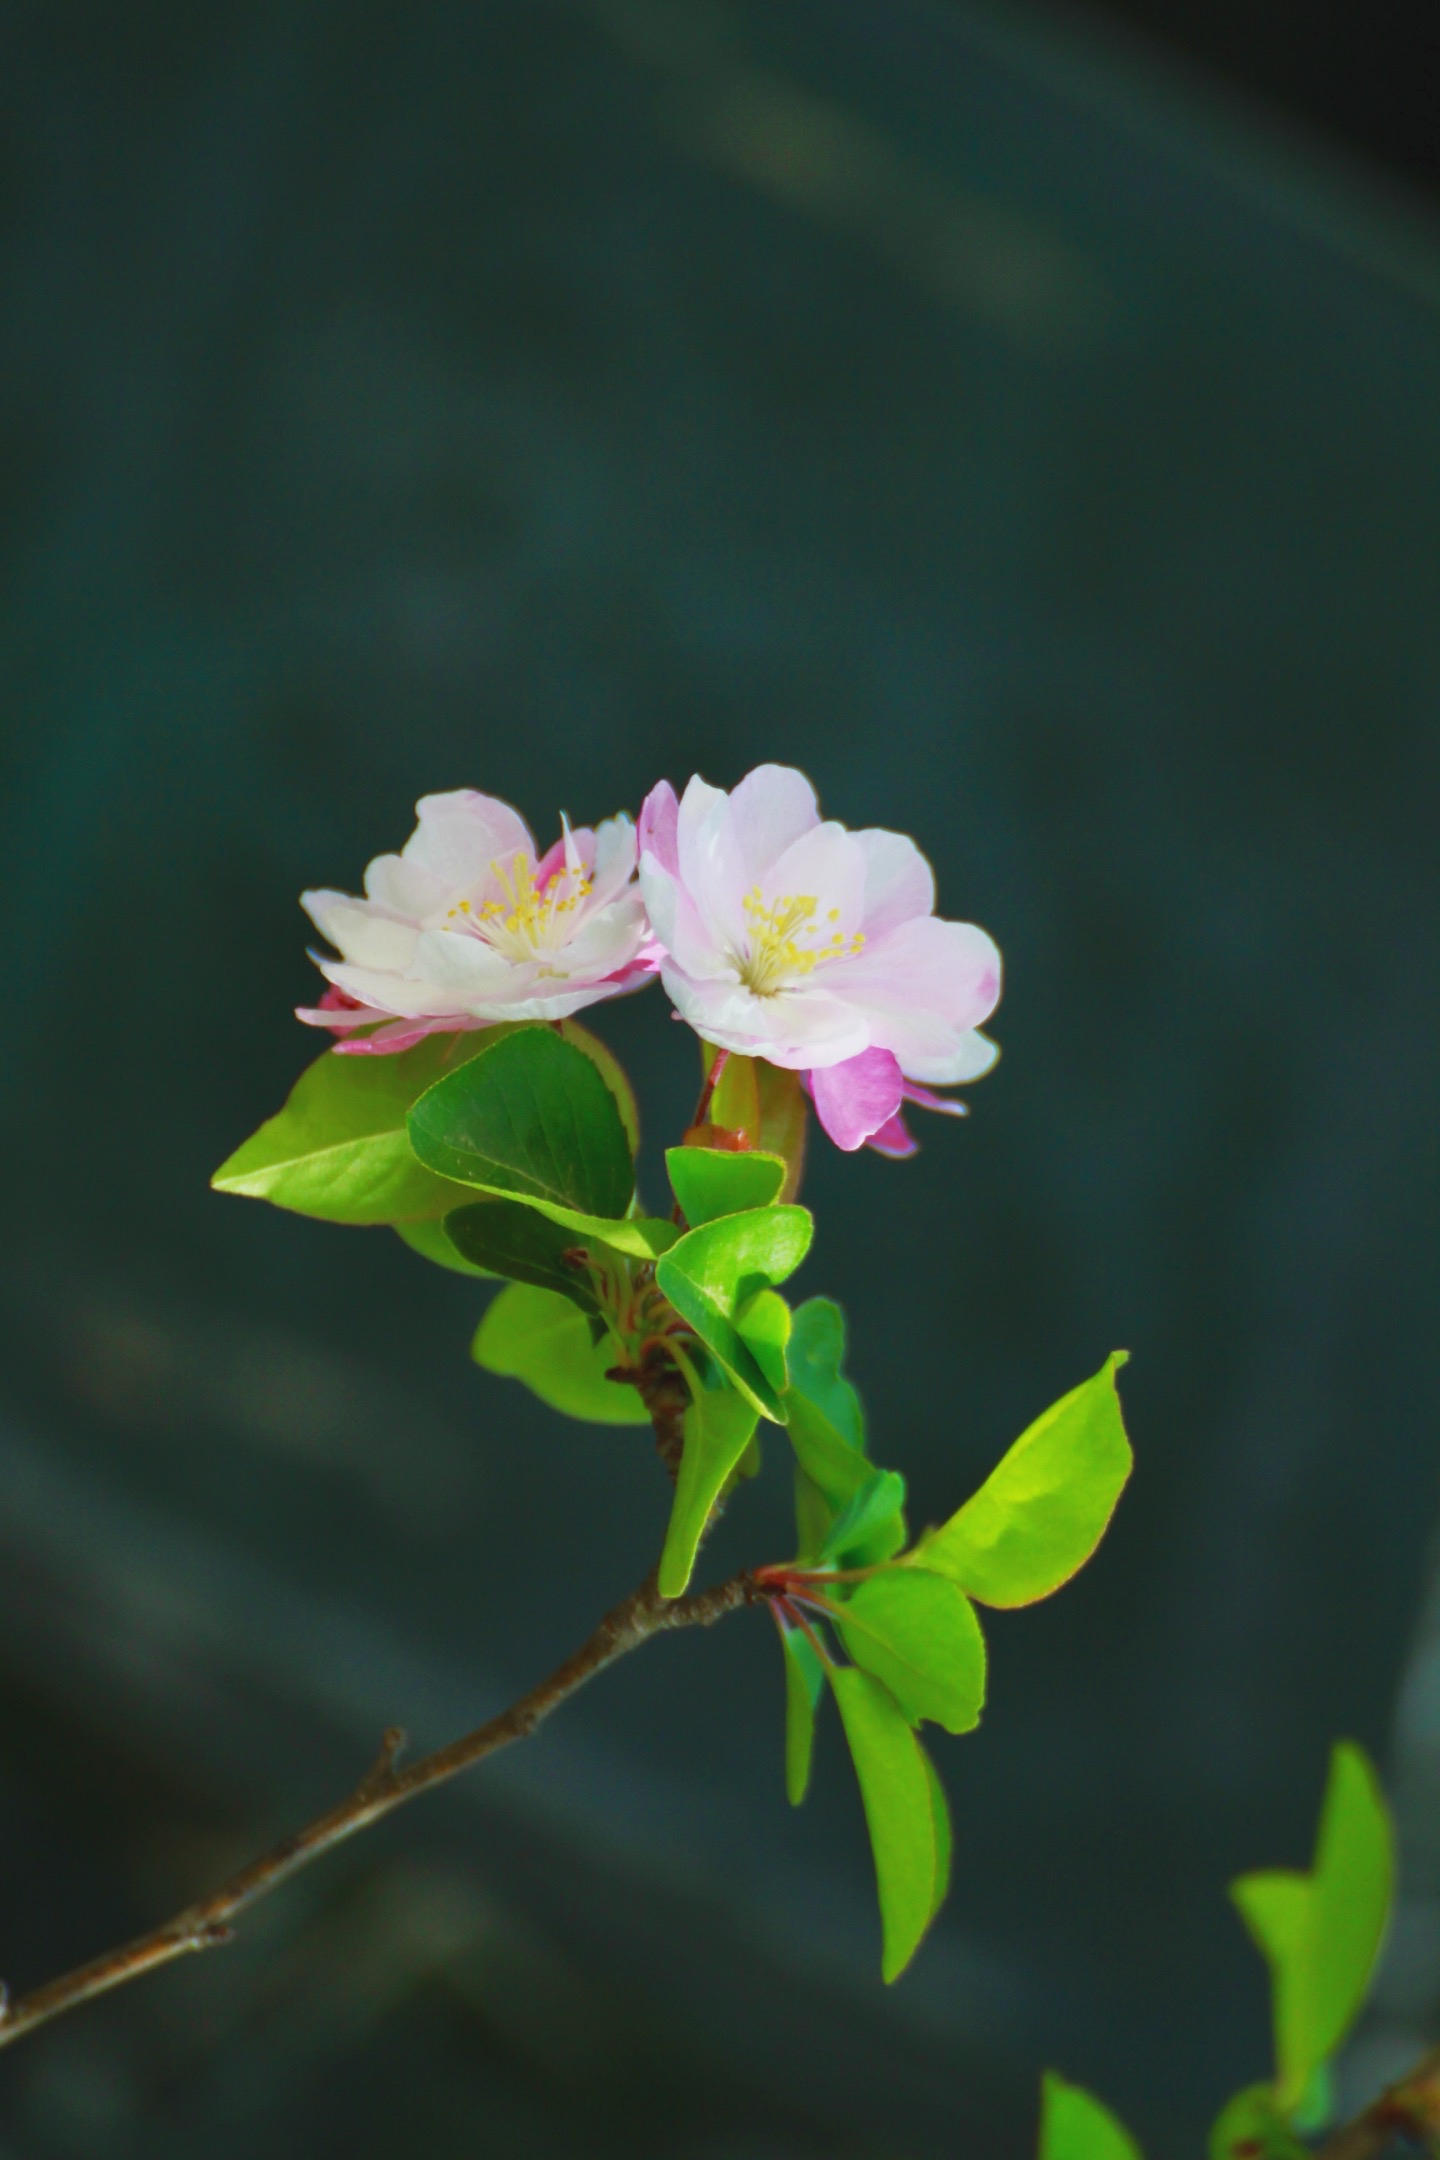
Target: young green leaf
{"x":735,"y":1104}
{"x":719,"y":1426}
{"x":713,"y":1271}
{"x":530,"y":1117}
{"x":1321,"y":1933}
{"x":919,"y":1634}
{"x":763,"y":1325}
{"x":505,"y":1237}
{"x":1045,"y":1506}
{"x":1075,"y":2126}
{"x":813,"y":1517}
{"x":534,"y":1336}
{"x":428,"y":1238}
{"x":804,"y":1685}
{"x":1249,"y":2127}
{"x":899,"y":1811}
{"x":784,"y":1119}
{"x":338,"y":1150}
{"x":710,"y":1182}
{"x":871,"y":1517}
{"x":613,"y":1073}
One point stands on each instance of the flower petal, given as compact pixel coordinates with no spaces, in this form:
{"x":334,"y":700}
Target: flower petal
{"x":659,"y":816}
{"x":899,"y":883}
{"x":857,"y":1098}
{"x":461,"y":834}
{"x":772,"y":807}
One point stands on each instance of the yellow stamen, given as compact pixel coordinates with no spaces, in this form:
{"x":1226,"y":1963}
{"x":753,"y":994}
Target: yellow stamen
{"x":777,"y":959}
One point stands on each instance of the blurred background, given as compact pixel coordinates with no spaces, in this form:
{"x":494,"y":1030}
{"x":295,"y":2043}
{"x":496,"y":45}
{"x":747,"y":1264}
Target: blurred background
{"x":1025,"y":422}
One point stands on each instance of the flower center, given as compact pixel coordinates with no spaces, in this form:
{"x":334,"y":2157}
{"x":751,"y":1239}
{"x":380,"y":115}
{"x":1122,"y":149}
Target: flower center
{"x":531,"y":921}
{"x":783,"y":941}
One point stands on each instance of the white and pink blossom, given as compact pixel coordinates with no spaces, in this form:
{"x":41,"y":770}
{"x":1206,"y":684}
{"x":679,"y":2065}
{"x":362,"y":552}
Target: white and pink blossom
{"x":469,"y":925}
{"x":789,"y":938}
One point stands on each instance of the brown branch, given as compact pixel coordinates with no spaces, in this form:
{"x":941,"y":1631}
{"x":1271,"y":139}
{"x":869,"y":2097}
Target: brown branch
{"x":384,"y":1787}
{"x":1408,"y":2109}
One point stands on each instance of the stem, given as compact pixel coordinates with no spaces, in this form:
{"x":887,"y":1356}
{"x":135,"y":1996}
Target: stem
{"x":712,"y":1080}
{"x":1409,"y":2109}
{"x":384,"y":1787}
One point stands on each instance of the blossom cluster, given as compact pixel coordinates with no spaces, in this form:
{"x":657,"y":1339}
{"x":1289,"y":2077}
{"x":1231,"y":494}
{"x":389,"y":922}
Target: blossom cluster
{"x":776,"y":934}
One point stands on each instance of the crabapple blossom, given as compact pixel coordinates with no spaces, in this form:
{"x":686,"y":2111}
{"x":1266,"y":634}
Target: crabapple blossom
{"x":789,"y":938}
{"x":469,"y":925}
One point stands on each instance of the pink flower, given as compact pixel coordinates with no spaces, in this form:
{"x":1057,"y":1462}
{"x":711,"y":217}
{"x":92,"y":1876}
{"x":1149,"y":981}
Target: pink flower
{"x":466,"y":926}
{"x":791,"y":939}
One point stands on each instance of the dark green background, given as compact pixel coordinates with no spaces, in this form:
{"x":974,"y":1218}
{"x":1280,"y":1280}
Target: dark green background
{"x":542,"y":398}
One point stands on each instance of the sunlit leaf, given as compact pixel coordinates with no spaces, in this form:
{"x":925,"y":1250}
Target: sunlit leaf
{"x":1321,"y":1932}
{"x":719,"y":1426}
{"x":713,"y":1271}
{"x":537,"y":1337}
{"x":895,"y":1786}
{"x":1044,"y":1508}
{"x":944,"y":1835}
{"x":763,"y":1325}
{"x":1074,"y":2125}
{"x":338,"y":1150}
{"x":919,"y":1634}
{"x":804,"y":1685}
{"x":710,"y":1182}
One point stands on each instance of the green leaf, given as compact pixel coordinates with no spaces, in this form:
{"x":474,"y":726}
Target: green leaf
{"x":338,"y":1150}
{"x":530,"y":1117}
{"x":613,"y":1073}
{"x":507,"y":1238}
{"x":813,"y":1517}
{"x":872,"y":1515}
{"x":539,"y":1338}
{"x":919,"y":1634}
{"x":719,"y":1426}
{"x":735,"y":1104}
{"x":1321,"y":1933}
{"x":1044,"y":1508}
{"x":763,"y":1325}
{"x":1249,"y":2127}
{"x":1075,"y":2126}
{"x":804,"y":1685}
{"x":944,"y":1835}
{"x":815,"y":1355}
{"x":896,"y":1788}
{"x":784,"y":1121}
{"x":428,"y":1238}
{"x":713,"y":1271}
{"x":710,"y":1182}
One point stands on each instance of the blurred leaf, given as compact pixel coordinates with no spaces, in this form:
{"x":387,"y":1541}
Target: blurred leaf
{"x":784,"y":1121}
{"x":871,"y":1518}
{"x":719,"y":1426}
{"x":507,"y":1238}
{"x":944,"y":1834}
{"x":1044,"y":1508}
{"x":1321,"y":1933}
{"x":1249,"y":2127}
{"x":813,"y":1517}
{"x":532,"y":1118}
{"x":716,"y":1269}
{"x":339,"y":1151}
{"x":1075,"y":2126}
{"x":763,"y":1325}
{"x":895,"y":1785}
{"x":735,"y":1104}
{"x":429,"y":1239}
{"x":709,"y":1182}
{"x":815,"y":1355}
{"x":539,"y":1338}
{"x":919,"y":1634}
{"x":804,"y":1685}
